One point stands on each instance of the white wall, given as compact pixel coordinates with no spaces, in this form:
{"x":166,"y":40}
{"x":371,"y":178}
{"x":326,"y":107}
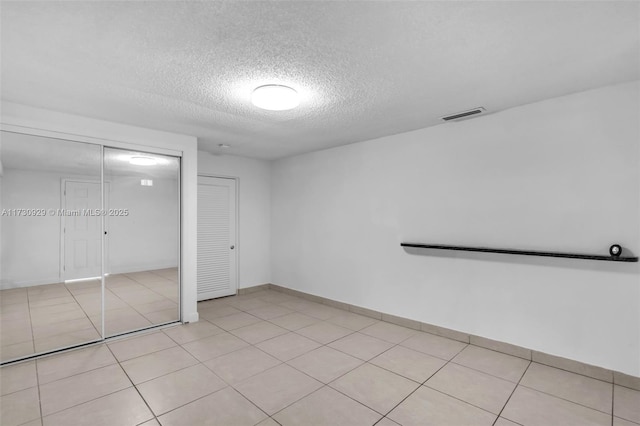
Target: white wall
{"x":31,"y":245}
{"x":558,"y":175}
{"x":254,"y":208}
{"x":37,"y":121}
{"x":147,"y":238}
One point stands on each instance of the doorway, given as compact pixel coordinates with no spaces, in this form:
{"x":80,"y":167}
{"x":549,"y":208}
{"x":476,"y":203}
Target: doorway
{"x":217,"y":242}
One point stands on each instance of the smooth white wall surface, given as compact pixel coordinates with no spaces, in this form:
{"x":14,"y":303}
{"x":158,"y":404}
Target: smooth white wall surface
{"x":557,"y":175}
{"x":37,"y":121}
{"x":254,"y":211}
{"x":32,"y":247}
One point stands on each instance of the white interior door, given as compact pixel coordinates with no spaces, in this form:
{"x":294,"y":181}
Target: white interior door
{"x":217,"y":273}
{"x":82,"y":250}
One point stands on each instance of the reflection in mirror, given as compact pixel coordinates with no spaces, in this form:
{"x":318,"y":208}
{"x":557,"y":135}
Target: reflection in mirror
{"x":50,"y":244}
{"x":142,"y":240}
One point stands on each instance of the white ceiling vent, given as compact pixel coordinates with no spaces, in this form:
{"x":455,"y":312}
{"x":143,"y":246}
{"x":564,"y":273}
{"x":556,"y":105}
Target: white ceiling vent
{"x":464,"y":114}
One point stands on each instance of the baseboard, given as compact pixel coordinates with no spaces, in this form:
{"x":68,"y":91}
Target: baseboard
{"x":573,"y":366}
{"x":249,"y":290}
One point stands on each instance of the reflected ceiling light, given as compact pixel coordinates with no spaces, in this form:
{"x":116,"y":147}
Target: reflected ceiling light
{"x":142,"y":161}
{"x":275,"y":97}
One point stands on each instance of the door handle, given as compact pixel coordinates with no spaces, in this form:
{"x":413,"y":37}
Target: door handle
{"x":232,"y":247}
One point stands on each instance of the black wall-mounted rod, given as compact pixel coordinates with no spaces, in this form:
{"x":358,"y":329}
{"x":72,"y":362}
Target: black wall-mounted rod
{"x":523,"y":252}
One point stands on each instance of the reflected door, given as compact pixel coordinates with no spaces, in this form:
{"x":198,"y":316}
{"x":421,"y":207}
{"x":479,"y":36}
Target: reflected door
{"x":142,"y":238}
{"x":81,"y":230}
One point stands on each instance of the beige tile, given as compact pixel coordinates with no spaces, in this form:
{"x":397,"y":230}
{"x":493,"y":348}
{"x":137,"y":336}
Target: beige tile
{"x":214,"y":346}
{"x":16,"y":350}
{"x":626,"y":380}
{"x":626,"y":403}
{"x":116,"y":323}
{"x":476,"y":388}
{"x":270,"y":311}
{"x":387,"y":422}
{"x":427,"y":407}
{"x":437,"y":346}
{"x":408,"y":363}
{"x":217,"y":311}
{"x":181,"y":387}
{"x":327,"y":407}
{"x":582,"y":390}
{"x":324,"y":332}
{"x":258,"y":332}
{"x":186,"y":333}
{"x":59,"y":366}
{"x":388,"y":332}
{"x":361,"y":346}
{"x":36,"y":422}
{"x":374,"y":387}
{"x":49,"y":330}
{"x":140,"y":345}
{"x":274,"y":389}
{"x":248,"y":304}
{"x":67,"y":339}
{"x":504,"y":422}
{"x":156,"y":306}
{"x":152,"y":422}
{"x":224,"y":408}
{"x":294,"y":321}
{"x":325,"y":364}
{"x":157,"y":364}
{"x":19,"y":407}
{"x":445,"y":332}
{"x":322,"y":312}
{"x":532,"y":408}
{"x":233,"y":321}
{"x":352,"y":321}
{"x":287,"y":346}
{"x":497,"y":364}
{"x":242,"y":364}
{"x":65,"y":393}
{"x":268,"y":422}
{"x":617,"y":421}
{"x":124,"y":407}
{"x":66,"y":299}
{"x":573,"y":366}
{"x":18,"y":377}
{"x":162,"y":317}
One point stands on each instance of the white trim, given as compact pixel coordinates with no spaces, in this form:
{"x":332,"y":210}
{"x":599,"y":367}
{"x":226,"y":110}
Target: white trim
{"x":86,"y":139}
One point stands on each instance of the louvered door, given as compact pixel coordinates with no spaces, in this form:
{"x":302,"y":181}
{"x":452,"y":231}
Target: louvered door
{"x":217,"y":274}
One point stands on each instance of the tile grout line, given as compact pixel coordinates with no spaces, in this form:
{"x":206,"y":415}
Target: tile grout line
{"x":39,"y":398}
{"x":565,"y":399}
{"x":133,"y":385}
{"x":512,"y":392}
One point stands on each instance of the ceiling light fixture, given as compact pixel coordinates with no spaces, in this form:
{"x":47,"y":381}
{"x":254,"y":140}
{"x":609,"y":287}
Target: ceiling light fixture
{"x":223,"y":146}
{"x":274,"y":97}
{"x":142,"y":161}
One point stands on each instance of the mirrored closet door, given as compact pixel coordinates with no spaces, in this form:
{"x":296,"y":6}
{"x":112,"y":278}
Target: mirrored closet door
{"x":89,"y":243}
{"x":50,"y":248}
{"x":141,"y":240}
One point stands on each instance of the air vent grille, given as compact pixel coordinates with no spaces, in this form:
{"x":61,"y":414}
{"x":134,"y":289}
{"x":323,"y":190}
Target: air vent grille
{"x":464,"y":114}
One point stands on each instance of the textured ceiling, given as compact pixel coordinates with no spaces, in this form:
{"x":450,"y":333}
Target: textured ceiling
{"x":364,"y":69}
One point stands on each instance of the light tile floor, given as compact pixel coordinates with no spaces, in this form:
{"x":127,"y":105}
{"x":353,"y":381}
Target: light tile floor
{"x":268,"y":358}
{"x":47,"y":317}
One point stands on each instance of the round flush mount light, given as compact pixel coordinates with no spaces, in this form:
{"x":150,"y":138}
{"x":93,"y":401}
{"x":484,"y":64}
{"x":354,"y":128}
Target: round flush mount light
{"x":274,"y":97}
{"x":142,"y":161}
